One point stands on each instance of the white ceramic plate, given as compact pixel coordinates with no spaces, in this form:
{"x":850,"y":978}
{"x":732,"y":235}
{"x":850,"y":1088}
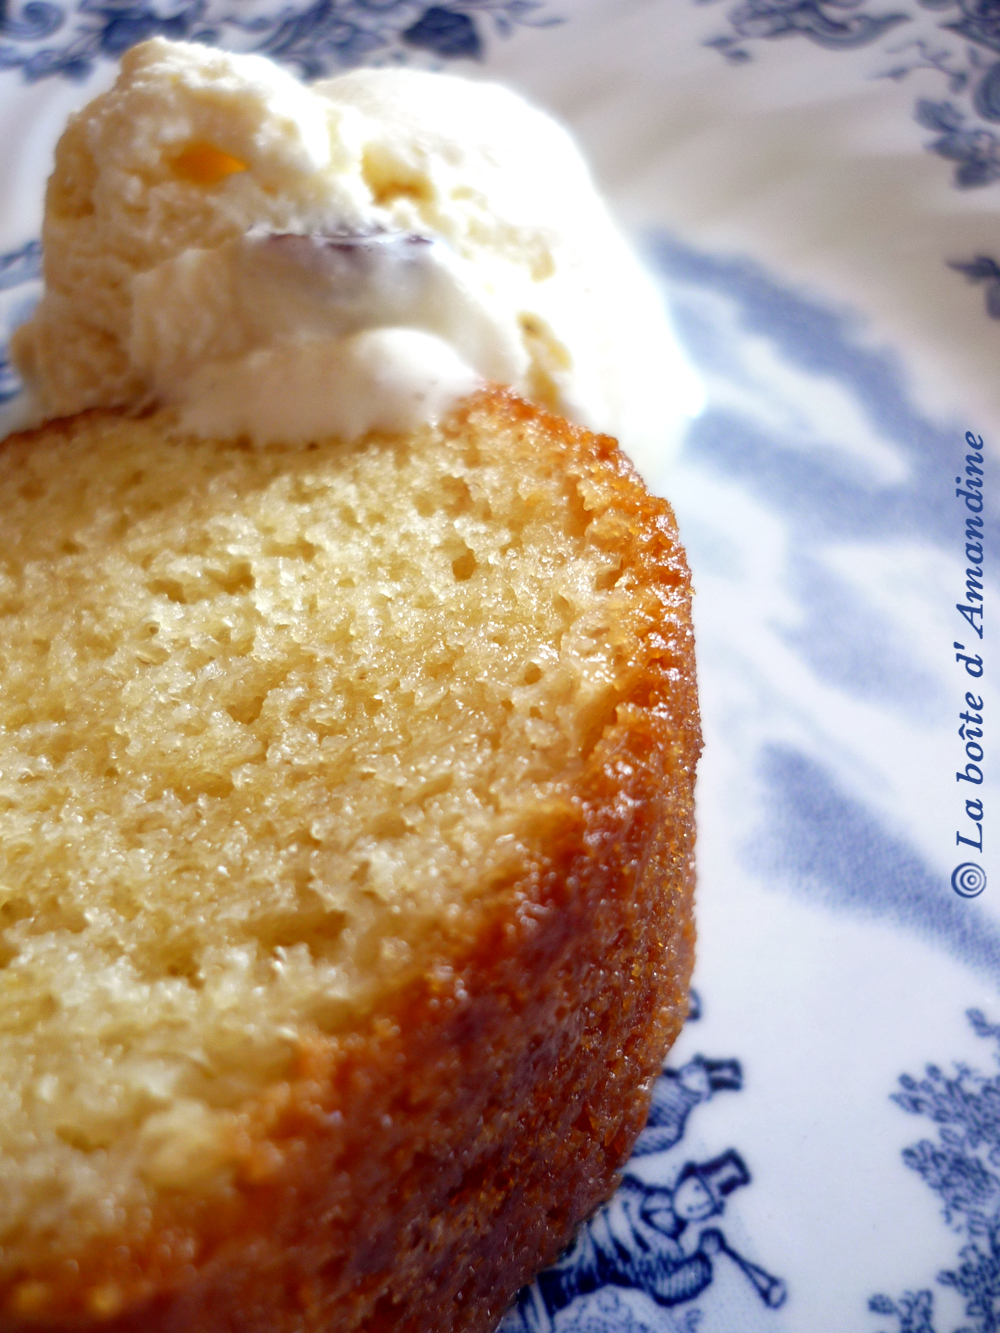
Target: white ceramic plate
{"x":816,"y":183}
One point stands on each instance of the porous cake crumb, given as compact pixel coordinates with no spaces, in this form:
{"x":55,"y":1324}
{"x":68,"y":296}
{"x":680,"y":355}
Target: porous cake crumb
{"x":345,"y":864}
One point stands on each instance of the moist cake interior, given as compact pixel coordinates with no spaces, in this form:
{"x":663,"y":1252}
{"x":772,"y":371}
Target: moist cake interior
{"x":274,"y":724}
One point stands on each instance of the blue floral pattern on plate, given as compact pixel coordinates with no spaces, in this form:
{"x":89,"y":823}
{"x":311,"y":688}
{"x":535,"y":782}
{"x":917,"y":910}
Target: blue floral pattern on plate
{"x":984,"y":269}
{"x":962,"y":1169}
{"x":962,"y":43}
{"x":20,"y":275}
{"x":649,"y":1238}
{"x":317,"y":39}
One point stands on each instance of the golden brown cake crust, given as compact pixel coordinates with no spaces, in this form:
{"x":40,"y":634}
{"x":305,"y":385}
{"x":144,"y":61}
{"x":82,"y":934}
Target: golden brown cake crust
{"x":417,"y":1172}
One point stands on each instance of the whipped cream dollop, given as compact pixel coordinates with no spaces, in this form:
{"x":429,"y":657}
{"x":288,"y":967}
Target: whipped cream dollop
{"x":284,"y":336}
{"x":283,"y":261}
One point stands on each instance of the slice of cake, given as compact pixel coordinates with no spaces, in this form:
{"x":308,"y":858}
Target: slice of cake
{"x":345,"y":865}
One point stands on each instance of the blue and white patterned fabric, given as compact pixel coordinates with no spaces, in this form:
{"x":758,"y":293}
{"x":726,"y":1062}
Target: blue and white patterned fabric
{"x":816,"y":184}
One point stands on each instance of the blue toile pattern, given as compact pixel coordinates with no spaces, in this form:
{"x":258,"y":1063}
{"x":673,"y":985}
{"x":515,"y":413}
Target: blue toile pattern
{"x":984,"y":269}
{"x":649,"y":1248}
{"x":44,"y":39}
{"x":958,"y":39}
{"x":21,"y":265}
{"x":20,"y":279}
{"x":963,"y":1168}
{"x":835,"y":24}
{"x":975,"y":151}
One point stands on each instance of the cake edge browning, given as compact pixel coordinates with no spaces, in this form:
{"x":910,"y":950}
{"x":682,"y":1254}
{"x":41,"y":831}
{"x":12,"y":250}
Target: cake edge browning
{"x":416,"y":1173}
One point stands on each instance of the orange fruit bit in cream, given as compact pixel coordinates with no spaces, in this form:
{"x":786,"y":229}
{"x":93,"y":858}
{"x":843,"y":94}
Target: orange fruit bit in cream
{"x":204,"y":164}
